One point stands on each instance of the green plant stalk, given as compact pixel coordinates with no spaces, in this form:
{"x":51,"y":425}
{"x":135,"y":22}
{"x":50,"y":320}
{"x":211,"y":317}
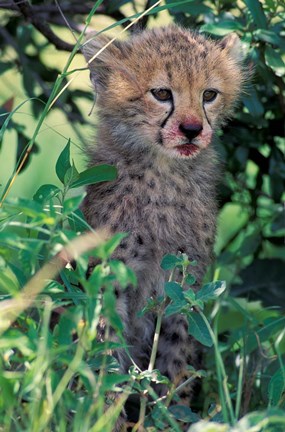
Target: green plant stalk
{"x":105,"y":422}
{"x":61,"y":387}
{"x":239,"y":388}
{"x":227,"y":407}
{"x":40,"y":368}
{"x":156,"y":338}
{"x":151,"y":365}
{"x":280,"y":360}
{"x":152,"y":357}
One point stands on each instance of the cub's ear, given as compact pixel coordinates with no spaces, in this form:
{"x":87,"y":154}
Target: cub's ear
{"x":232,"y":45}
{"x":106,"y":60}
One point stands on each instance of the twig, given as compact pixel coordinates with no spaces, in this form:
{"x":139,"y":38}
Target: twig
{"x":28,"y":12}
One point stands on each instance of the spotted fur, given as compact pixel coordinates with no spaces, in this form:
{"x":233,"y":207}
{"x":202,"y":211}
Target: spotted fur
{"x":164,"y":196}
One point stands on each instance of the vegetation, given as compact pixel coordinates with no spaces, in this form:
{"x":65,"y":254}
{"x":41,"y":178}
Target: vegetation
{"x":54,"y":373}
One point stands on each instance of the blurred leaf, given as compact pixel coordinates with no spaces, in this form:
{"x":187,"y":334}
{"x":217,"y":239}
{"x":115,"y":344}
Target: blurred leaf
{"x":105,"y":251}
{"x":7,"y":389}
{"x":4,"y":66}
{"x":28,"y":207}
{"x":274,"y":60}
{"x":77,"y":221}
{"x":184,"y":413}
{"x":256,"y":10}
{"x":267,"y":36}
{"x":124,"y":275}
{"x":279,"y":220}
{"x":22,"y":145}
{"x":28,"y":82}
{"x":24,"y":33}
{"x":96,"y":174}
{"x":252,"y":103}
{"x":276,"y":387}
{"x":114,"y":5}
{"x":264,"y":279}
{"x":72,"y":204}
{"x":198,"y":329}
{"x":193,"y":7}
{"x":222,"y":28}
{"x":250,"y":244}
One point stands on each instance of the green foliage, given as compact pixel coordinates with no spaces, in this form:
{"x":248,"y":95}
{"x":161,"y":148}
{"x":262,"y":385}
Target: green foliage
{"x":55,"y":373}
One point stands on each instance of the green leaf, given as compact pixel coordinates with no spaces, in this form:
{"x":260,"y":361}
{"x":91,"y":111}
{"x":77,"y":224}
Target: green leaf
{"x":114,"y":5}
{"x":7,"y":389}
{"x":4,"y":66}
{"x":221,"y":28}
{"x":252,"y":102}
{"x":274,"y":60}
{"x":193,"y":7}
{"x":110,"y":312}
{"x":250,"y":244}
{"x":77,"y":221}
{"x":198,"y":329}
{"x":28,"y":207}
{"x":190,"y":279}
{"x":72,"y":204}
{"x":183,"y":413}
{"x":174,"y":291}
{"x":257,"y":13}
{"x":276,"y":387}
{"x":175,"y":308}
{"x":45,"y":193}
{"x":190,"y":295}
{"x":63,"y":162}
{"x":70,"y":176}
{"x":96,"y":174}
{"x":211,"y":291}
{"x":267,"y":36}
{"x":263,"y":279}
{"x":169,"y":262}
{"x":110,"y":381}
{"x":124,"y":275}
{"x":105,"y":251}
{"x":279,"y":220}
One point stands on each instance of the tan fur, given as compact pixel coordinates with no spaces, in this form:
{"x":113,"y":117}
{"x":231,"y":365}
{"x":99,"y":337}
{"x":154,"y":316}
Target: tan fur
{"x":164,"y":196}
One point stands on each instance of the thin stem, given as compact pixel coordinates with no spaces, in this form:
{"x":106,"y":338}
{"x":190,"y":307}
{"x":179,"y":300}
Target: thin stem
{"x":156,"y":339}
{"x":222,"y":377}
{"x":239,"y":388}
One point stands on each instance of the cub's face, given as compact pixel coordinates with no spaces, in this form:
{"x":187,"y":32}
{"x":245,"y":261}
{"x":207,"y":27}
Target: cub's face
{"x":166,"y":88}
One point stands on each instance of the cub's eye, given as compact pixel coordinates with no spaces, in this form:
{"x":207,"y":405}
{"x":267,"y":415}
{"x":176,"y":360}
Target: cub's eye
{"x":162,"y":94}
{"x":209,"y":95}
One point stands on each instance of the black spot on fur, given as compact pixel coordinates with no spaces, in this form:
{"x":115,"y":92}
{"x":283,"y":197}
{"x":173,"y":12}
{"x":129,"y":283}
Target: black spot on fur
{"x":139,"y":176}
{"x":123,"y":245}
{"x":140,"y":240}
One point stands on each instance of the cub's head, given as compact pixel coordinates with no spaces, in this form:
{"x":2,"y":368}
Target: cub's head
{"x":167,"y":88}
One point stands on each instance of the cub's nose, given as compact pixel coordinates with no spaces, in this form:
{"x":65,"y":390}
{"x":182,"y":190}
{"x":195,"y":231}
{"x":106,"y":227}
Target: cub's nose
{"x":190,"y":130}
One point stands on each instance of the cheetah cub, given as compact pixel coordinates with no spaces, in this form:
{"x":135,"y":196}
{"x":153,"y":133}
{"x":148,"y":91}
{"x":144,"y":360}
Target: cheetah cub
{"x":161,"y":95}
